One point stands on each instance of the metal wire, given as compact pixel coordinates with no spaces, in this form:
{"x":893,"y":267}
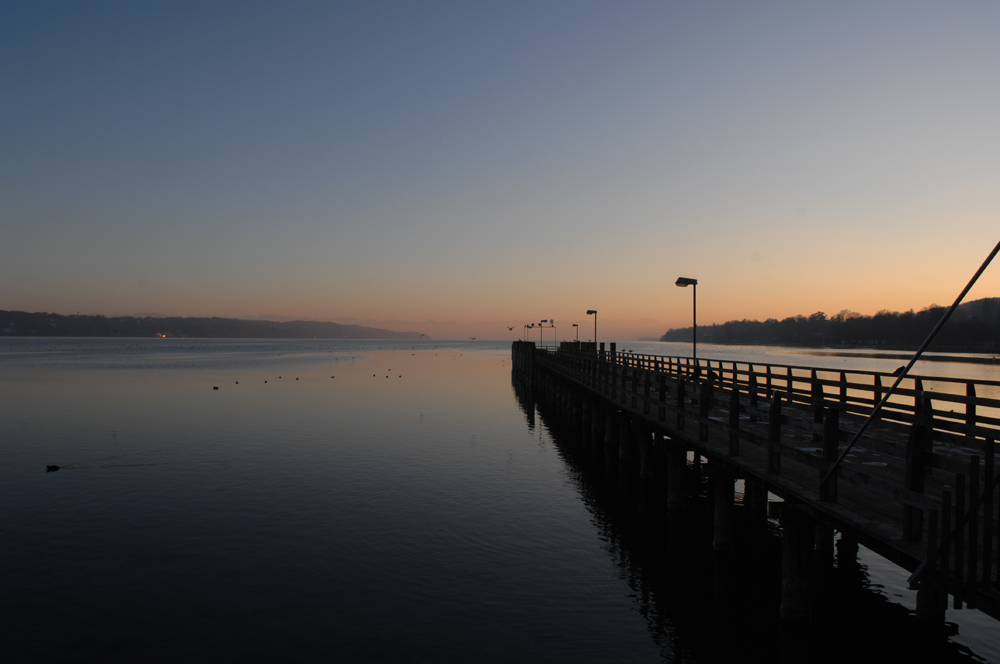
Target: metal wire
{"x":913,"y":361}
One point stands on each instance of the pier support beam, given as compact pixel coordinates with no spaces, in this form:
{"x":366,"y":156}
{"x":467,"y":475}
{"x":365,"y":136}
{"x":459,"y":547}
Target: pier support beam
{"x":596,"y":430}
{"x":644,"y":438}
{"x":625,"y":443}
{"x":611,"y":439}
{"x":676,"y":472}
{"x":847,"y":551}
{"x":755,"y":502}
{"x":823,"y":554}
{"x":798,"y":540}
{"x":722,"y":480}
{"x":931,"y":606}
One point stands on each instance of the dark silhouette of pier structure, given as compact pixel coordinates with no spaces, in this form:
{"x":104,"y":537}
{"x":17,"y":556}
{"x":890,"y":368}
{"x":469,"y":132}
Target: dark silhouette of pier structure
{"x":919,"y":487}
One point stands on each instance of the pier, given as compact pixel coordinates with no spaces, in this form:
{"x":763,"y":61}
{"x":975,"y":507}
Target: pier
{"x":919,"y":487}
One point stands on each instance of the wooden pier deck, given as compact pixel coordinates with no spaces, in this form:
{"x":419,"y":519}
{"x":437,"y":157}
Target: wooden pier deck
{"x":919,"y":487}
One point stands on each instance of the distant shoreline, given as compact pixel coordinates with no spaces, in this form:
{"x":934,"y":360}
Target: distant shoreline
{"x":26,"y":324}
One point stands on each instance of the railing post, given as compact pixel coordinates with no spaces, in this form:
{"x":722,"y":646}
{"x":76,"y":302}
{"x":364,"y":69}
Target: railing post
{"x":877,"y":394}
{"x":624,"y":391}
{"x":973,"y":566}
{"x":914,"y":473}
{"x":959,"y":539}
{"x":970,"y":411}
{"x":988,"y":516}
{"x":831,"y":444}
{"x":734,"y":421}
{"x":661,"y":388}
{"x":843,"y":392}
{"x":817,"y":402}
{"x":753,"y":394}
{"x":704,"y":402}
{"x":647,"y":379}
{"x":929,"y":606}
{"x":774,"y":435}
{"x":945,"y":546}
{"x":680,"y":404}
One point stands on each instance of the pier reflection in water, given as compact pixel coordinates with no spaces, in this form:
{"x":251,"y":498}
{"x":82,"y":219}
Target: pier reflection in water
{"x":700,"y":605}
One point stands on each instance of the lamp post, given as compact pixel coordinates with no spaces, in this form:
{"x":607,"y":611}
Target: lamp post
{"x":541,"y":340}
{"x":577,"y":331}
{"x":684,"y":282}
{"x":593,"y":312}
{"x":555,"y":333}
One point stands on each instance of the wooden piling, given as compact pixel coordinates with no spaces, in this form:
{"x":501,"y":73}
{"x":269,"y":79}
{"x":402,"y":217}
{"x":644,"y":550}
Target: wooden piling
{"x":722,"y":479}
{"x":798,"y":540}
{"x":677,"y":475}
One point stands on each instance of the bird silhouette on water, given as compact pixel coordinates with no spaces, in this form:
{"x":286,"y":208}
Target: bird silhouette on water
{"x":51,"y":469}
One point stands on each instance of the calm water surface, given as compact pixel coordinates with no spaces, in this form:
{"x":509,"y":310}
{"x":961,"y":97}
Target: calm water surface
{"x":342,"y":500}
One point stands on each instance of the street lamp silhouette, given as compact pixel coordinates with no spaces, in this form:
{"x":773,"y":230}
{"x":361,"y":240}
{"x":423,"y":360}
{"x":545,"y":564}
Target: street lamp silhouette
{"x":541,"y":341}
{"x":577,"y":331}
{"x":593,"y":312}
{"x":684,"y":282}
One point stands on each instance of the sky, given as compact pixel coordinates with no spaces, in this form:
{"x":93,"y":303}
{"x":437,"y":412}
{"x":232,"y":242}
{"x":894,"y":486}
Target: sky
{"x":490,"y":164}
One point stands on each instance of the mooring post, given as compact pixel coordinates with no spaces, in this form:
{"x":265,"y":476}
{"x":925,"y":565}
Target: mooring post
{"x":798,"y":540}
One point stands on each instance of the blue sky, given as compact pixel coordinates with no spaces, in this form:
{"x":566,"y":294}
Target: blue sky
{"x":496,"y":161}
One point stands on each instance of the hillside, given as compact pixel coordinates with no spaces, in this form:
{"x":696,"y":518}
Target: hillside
{"x":20,"y":323}
{"x":974,"y":327}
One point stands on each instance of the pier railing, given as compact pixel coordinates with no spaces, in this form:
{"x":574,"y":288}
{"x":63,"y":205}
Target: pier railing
{"x":921,"y":481}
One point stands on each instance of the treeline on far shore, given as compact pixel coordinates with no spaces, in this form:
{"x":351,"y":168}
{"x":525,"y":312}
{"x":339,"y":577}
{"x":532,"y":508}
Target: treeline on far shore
{"x":974,"y":327}
{"x":25,"y":324}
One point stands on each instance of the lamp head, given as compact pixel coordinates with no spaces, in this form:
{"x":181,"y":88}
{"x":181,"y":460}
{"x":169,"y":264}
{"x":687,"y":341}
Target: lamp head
{"x":684,"y":282}
{"x":544,"y":321}
{"x":591,"y":311}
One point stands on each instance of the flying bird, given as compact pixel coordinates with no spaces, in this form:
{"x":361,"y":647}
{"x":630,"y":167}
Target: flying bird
{"x":473,"y":338}
{"x":510,"y":329}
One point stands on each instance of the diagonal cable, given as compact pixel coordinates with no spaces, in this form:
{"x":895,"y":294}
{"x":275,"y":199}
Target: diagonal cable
{"x":913,"y":361}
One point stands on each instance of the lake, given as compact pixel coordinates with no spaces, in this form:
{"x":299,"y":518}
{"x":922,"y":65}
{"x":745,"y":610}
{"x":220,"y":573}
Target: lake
{"x":366,"y":501}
